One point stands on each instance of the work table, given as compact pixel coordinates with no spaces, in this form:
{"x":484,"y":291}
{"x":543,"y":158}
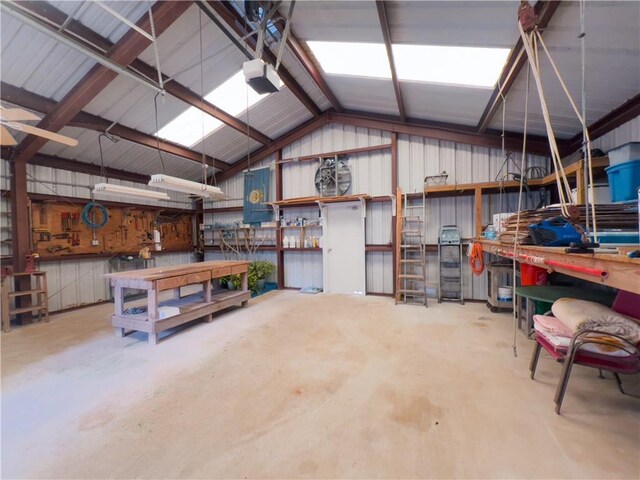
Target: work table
{"x":614,"y":269}
{"x":191,"y":307}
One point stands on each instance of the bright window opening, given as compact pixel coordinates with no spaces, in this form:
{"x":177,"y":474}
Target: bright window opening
{"x":467,"y":66}
{"x":358,"y":59}
{"x":231,"y":96}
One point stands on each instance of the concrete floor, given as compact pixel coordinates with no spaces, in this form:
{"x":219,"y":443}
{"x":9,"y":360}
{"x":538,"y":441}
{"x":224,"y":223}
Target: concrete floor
{"x":306,"y":386}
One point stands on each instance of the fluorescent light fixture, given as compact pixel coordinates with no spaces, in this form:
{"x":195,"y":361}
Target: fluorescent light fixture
{"x":120,"y":190}
{"x":231,"y":96}
{"x":347,"y":58}
{"x":469,"y":66}
{"x":185,"y":186}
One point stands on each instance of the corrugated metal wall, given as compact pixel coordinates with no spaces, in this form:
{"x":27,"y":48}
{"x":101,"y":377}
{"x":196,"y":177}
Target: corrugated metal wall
{"x":371,"y":173}
{"x":629,"y":132}
{"x":74,"y":283}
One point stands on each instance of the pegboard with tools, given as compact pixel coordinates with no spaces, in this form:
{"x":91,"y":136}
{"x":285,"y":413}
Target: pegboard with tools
{"x":59,"y":229}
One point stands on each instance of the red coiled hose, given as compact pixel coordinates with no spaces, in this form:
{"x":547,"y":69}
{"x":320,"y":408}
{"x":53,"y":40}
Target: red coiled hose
{"x":476,"y":259}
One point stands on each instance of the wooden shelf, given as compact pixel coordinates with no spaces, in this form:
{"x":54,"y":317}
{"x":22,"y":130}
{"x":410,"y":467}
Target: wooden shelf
{"x":302,"y":249}
{"x":313,"y":201}
{"x":598,"y":163}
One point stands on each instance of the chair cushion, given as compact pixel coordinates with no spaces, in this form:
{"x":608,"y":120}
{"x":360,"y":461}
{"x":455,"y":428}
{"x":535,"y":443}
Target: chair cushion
{"x":553,"y":326}
{"x":580,"y":315}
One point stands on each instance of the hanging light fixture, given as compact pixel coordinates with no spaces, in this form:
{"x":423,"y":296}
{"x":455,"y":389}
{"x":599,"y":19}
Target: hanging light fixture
{"x":176,"y":184}
{"x":120,"y":190}
{"x":186,"y":186}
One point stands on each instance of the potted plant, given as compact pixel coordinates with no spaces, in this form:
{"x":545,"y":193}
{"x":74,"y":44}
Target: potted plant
{"x":258,"y":272}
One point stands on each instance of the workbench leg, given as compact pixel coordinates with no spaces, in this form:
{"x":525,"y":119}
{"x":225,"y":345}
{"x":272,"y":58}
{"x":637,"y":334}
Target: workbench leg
{"x":6,"y":318}
{"x":118,"y":301}
{"x":245,"y":287}
{"x":152,"y":314}
{"x":206,"y":296}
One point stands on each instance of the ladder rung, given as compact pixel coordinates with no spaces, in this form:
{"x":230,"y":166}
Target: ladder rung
{"x":410,"y":231}
{"x":411,"y":276}
{"x":412,"y":234}
{"x":412,"y":218}
{"x":410,"y":261}
{"x":410,"y":246}
{"x":411,"y":292}
{"x":25,"y":292}
{"x":413,"y":207}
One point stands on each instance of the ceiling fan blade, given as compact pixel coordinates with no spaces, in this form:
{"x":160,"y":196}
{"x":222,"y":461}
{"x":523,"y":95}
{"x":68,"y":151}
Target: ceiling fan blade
{"x":17,"y":114}
{"x":56,"y":137}
{"x":6,"y":139}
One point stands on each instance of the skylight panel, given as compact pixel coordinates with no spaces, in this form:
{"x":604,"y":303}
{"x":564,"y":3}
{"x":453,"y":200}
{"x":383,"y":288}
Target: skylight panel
{"x":468,"y":66}
{"x":356,"y":59}
{"x":232,"y":96}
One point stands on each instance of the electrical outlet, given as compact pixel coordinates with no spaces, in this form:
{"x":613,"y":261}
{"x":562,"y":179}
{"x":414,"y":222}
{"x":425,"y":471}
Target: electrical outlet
{"x":95,"y":242}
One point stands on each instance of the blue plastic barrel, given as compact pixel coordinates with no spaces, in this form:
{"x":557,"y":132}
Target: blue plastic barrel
{"x":624,"y":180}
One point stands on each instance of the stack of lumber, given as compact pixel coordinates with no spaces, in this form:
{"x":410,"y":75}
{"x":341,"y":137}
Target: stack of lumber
{"x":311,"y":200}
{"x":618,"y":216}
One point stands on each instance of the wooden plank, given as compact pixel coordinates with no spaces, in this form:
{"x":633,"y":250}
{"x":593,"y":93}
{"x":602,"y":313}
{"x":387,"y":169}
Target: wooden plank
{"x":198,"y":277}
{"x":478,"y":210}
{"x":170,"y":283}
{"x":149,"y":274}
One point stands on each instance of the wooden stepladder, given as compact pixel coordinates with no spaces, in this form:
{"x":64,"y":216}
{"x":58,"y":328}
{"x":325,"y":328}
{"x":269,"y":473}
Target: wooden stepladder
{"x":411,"y":261}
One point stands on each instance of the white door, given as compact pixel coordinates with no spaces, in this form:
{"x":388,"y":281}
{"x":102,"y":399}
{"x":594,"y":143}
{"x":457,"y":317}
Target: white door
{"x":343,"y":248}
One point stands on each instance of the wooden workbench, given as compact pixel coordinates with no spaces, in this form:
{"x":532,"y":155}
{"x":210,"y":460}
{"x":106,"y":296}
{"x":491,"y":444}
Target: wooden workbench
{"x":156,"y":280}
{"x":622,"y":272}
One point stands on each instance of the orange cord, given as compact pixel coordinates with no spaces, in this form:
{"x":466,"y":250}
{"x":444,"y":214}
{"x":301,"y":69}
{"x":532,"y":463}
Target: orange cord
{"x":476,"y":259}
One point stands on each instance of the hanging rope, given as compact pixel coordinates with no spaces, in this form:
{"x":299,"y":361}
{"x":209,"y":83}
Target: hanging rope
{"x":202,"y":149}
{"x":529,"y":41}
{"x":515,"y":239}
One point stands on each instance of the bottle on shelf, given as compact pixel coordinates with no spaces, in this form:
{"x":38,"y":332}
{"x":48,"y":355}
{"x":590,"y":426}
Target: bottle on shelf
{"x":285,"y":242}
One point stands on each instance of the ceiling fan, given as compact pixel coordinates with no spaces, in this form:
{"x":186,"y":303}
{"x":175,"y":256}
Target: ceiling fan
{"x":12,"y":118}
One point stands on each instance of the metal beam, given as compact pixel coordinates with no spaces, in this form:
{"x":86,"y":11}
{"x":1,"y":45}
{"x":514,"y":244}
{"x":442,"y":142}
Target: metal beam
{"x":31,"y":101}
{"x":513,"y":141}
{"x":60,"y":163}
{"x":262,"y":153}
{"x":621,"y":115}
{"x":517,"y":59}
{"x":386,"y":34}
{"x":92,"y":40}
{"x":231,"y":17}
{"x":309,"y":65}
{"x":125,"y":51}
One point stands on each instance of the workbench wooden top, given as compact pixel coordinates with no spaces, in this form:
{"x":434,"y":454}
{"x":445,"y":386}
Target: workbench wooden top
{"x":608,"y":255}
{"x":157,"y":273}
{"x":622,"y":272}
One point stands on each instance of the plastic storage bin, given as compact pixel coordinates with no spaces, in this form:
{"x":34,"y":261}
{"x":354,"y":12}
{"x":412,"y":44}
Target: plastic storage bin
{"x":531,"y":275}
{"x":624,"y":180}
{"x":624,"y":153}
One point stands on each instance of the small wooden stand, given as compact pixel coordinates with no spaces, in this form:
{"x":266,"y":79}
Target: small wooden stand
{"x":40,"y":291}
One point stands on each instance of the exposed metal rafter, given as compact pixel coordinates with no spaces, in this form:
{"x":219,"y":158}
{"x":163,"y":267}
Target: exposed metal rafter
{"x":517,"y":59}
{"x":100,"y":44}
{"x":125,"y":51}
{"x":625,"y":112}
{"x":60,"y":163}
{"x":386,"y":34}
{"x":234,"y":21}
{"x":309,"y":65}
{"x":31,"y":101}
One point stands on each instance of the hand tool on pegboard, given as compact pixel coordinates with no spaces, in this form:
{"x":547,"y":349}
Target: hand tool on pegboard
{"x":57,"y":249}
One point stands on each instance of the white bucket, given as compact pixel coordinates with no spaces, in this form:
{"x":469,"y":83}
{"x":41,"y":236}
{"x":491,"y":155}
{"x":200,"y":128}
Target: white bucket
{"x":505,"y":294}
